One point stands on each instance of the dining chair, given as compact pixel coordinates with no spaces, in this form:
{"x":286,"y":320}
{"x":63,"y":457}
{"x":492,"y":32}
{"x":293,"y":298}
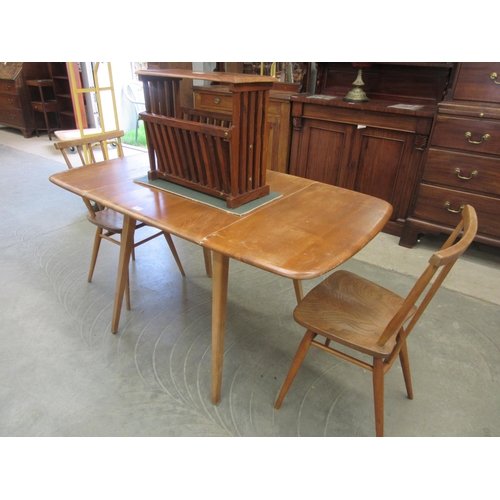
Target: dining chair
{"x":109,"y":222}
{"x":135,"y":94}
{"x":358,"y":314}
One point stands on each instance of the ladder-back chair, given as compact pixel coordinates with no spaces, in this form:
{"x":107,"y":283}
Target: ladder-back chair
{"x":363,"y":316}
{"x":109,"y":222}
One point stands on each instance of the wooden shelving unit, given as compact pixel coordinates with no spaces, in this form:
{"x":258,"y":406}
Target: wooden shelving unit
{"x":63,"y":94}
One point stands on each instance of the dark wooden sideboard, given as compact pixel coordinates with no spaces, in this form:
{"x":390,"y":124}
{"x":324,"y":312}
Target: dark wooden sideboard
{"x":376,"y":147}
{"x":463,"y":162}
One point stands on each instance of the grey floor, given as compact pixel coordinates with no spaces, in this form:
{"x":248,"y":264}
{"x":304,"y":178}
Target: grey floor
{"x":64,"y":374}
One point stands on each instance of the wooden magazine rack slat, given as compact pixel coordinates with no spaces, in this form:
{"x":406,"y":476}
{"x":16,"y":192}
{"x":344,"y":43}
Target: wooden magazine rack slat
{"x":221,"y":155}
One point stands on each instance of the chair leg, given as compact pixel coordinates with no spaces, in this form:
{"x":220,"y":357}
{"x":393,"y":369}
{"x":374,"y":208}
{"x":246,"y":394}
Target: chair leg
{"x":95,"y":252}
{"x":378,"y":395}
{"x":294,"y":368}
{"x":170,"y":243}
{"x":405,"y":365}
{"x":207,"y":255}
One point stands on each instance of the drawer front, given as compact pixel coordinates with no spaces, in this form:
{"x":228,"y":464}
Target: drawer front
{"x":478,"y":82}
{"x":8,"y":87}
{"x":478,"y":136}
{"x":9,"y":100}
{"x":214,"y":102}
{"x":11,"y":116}
{"x":480,"y":174}
{"x":224,"y":103}
{"x":432,"y":206}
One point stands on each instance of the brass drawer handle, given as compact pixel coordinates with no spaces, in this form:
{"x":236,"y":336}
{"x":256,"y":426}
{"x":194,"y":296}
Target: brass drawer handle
{"x":484,"y":138}
{"x":448,"y":205}
{"x":473,"y":174}
{"x":217,"y":100}
{"x":494,"y":77}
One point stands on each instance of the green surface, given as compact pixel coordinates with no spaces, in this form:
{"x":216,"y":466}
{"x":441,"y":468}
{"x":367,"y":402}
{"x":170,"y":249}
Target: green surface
{"x":129,"y":137}
{"x":206,"y":198}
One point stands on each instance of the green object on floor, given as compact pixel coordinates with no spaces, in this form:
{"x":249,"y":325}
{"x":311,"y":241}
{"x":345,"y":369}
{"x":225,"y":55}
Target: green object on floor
{"x":129,"y":137}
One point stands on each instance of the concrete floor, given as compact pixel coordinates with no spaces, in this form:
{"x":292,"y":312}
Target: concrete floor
{"x":64,"y":374}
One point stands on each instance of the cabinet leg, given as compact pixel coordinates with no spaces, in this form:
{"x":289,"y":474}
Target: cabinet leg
{"x":409,"y":236}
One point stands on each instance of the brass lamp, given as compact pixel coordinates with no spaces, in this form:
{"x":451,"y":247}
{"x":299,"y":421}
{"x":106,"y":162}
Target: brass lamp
{"x":357,"y":94}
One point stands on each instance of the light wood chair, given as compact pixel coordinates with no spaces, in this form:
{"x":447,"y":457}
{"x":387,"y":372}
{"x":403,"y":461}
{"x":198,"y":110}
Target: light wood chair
{"x":363,"y":316}
{"x":109,"y":222}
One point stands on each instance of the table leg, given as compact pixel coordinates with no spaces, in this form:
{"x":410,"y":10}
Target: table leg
{"x":297,"y":285}
{"x":220,"y":271}
{"x":126,"y":246}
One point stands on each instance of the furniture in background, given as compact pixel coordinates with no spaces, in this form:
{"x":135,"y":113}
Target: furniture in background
{"x":44,"y":102}
{"x":64,"y":90}
{"x":108,"y":222}
{"x":135,"y":94}
{"x":375,"y":147}
{"x":371,"y":320}
{"x":220,"y":155}
{"x":274,"y":237}
{"x":463,"y":162}
{"x":15,"y":102}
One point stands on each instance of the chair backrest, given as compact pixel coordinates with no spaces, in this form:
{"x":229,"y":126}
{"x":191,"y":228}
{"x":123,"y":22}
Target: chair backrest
{"x":134,"y":92}
{"x":85,"y":147}
{"x":443,"y":260}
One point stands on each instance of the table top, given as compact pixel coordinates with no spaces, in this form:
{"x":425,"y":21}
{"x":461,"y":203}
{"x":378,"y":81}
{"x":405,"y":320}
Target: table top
{"x":213,"y":76}
{"x":311,"y":229}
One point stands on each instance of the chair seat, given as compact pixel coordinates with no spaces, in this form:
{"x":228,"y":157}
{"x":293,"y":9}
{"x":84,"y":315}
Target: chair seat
{"x":109,"y":220}
{"x":352,"y":311}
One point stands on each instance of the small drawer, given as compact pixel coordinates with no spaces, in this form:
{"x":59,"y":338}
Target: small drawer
{"x":214,"y":102}
{"x":441,"y":205}
{"x":9,"y":100}
{"x":8,"y":86}
{"x":478,"y":82}
{"x":11,"y":116}
{"x":480,"y":174}
{"x":477,"y":136}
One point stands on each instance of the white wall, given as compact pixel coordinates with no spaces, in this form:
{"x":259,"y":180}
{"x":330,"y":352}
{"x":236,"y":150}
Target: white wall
{"x":123,"y":72}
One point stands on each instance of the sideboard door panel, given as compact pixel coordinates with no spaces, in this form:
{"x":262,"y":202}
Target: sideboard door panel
{"x":324,"y":151}
{"x":385,"y":161}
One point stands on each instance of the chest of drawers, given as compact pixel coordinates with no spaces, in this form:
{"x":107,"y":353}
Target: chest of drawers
{"x":463,"y":162}
{"x":15,"y":104}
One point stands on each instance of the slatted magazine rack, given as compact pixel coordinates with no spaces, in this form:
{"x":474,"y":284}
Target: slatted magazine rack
{"x":218,"y":154}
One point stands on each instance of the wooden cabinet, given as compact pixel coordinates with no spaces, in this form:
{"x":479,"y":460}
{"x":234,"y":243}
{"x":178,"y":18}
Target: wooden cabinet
{"x":463,"y":163}
{"x":370,"y":148}
{"x":218,"y":99}
{"x":15,"y":103}
{"x":373,"y":151}
{"x":377,"y":147}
